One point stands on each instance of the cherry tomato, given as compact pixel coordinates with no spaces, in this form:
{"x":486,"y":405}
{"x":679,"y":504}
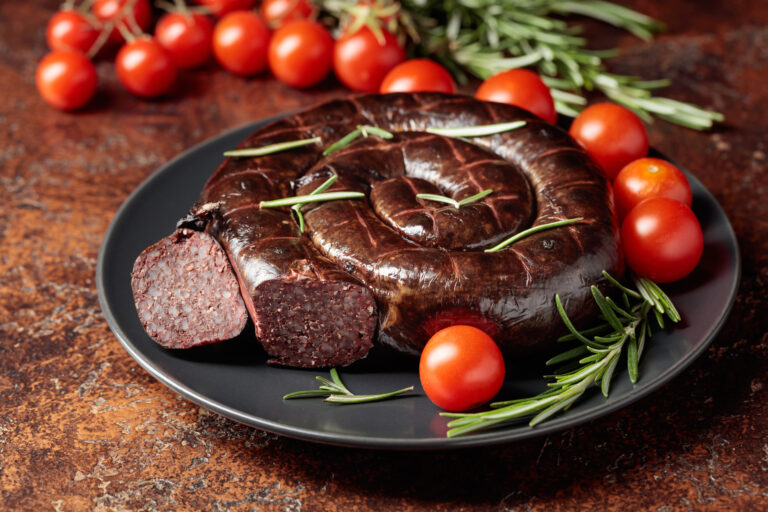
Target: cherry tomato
{"x":187,"y":37}
{"x":461,"y":368}
{"x":521,"y":88}
{"x":66,"y":79}
{"x":70,"y":30}
{"x":662,"y":239}
{"x":301,"y":53}
{"x":221,"y":7}
{"x":418,"y":75}
{"x":361,"y":63}
{"x":649,"y":177}
{"x":112,"y":10}
{"x":145,"y":68}
{"x":240,"y":41}
{"x":279,"y":12}
{"x":612,"y":135}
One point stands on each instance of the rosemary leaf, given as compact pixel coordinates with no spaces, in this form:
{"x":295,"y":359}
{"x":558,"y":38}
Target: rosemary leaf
{"x":322,"y":188}
{"x":475,"y":198}
{"x":439,"y":199}
{"x":272,"y":148}
{"x":326,"y":196}
{"x":476,"y":131}
{"x":632,"y":359}
{"x":359,"y":399}
{"x":530,"y":231}
{"x":335,"y":391}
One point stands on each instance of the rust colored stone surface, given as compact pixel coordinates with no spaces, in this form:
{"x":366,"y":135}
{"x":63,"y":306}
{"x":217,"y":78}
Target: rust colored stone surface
{"x":83,"y":427}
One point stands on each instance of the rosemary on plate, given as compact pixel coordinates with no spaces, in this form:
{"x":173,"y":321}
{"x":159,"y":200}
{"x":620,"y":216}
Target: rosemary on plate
{"x":272,"y":148}
{"x":625,"y":327}
{"x":336,"y":392}
{"x":456,"y":204}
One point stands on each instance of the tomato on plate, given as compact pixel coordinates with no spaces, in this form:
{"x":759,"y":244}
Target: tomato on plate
{"x":662,"y":239}
{"x":279,"y":12}
{"x":612,"y":135}
{"x":461,"y":368}
{"x":187,"y":37}
{"x":221,"y":7}
{"x":145,"y":68}
{"x":649,"y":177}
{"x":66,"y":79}
{"x":361,"y":62}
{"x":108,"y":11}
{"x":301,"y":53}
{"x":240,"y":42}
{"x":521,"y":88}
{"x":417,"y":75}
{"x":70,"y":30}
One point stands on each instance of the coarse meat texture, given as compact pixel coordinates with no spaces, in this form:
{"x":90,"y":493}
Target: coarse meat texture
{"x":185,"y":292}
{"x":422,"y":262}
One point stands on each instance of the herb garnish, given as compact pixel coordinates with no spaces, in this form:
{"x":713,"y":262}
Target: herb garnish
{"x":482,"y":130}
{"x":309,"y":198}
{"x":296,"y":209}
{"x":624,"y":327}
{"x":362,"y":129}
{"x":530,"y":231}
{"x":336,"y":392}
{"x":272,"y":148}
{"x":456,"y":204}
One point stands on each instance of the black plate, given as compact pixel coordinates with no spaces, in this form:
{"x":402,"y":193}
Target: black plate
{"x":233,"y":379}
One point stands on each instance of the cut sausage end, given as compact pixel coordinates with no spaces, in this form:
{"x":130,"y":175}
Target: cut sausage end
{"x":308,"y":323}
{"x":186,"y":293}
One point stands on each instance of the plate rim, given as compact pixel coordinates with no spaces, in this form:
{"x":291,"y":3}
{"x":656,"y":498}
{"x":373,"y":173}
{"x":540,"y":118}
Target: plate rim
{"x":487,"y":438}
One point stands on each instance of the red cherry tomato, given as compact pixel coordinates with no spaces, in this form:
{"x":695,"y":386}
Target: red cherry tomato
{"x":279,"y":12}
{"x":521,"y":88}
{"x":649,"y":177}
{"x":301,"y":53}
{"x":112,"y":10}
{"x":612,"y":135}
{"x":418,"y":75}
{"x":221,"y":7}
{"x":361,"y":62}
{"x":70,"y":30}
{"x":66,"y":79}
{"x":240,"y":41}
{"x":145,"y":68}
{"x":662,"y":239}
{"x":187,"y":37}
{"x":461,"y":368}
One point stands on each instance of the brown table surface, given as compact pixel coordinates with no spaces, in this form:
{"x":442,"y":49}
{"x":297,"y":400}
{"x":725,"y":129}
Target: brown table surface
{"x":83,"y":427}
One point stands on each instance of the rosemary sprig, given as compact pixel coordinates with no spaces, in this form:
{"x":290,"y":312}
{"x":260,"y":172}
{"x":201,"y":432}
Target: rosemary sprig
{"x":535,"y":229}
{"x":482,"y":130}
{"x":272,"y":148}
{"x":361,"y":129}
{"x":296,"y":209}
{"x":336,"y":392}
{"x":309,"y":198}
{"x":485,"y":37}
{"x":456,"y":204}
{"x":624,"y":330}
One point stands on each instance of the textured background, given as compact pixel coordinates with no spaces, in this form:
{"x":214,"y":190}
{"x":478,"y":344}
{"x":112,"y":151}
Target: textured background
{"x":83,"y":427}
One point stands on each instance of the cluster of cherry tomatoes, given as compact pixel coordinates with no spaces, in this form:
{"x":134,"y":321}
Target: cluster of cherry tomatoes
{"x":283,"y":35}
{"x":661,"y":236}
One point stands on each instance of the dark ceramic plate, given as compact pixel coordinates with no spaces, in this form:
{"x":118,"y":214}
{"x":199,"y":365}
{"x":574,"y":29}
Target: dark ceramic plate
{"x":233,"y":379}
